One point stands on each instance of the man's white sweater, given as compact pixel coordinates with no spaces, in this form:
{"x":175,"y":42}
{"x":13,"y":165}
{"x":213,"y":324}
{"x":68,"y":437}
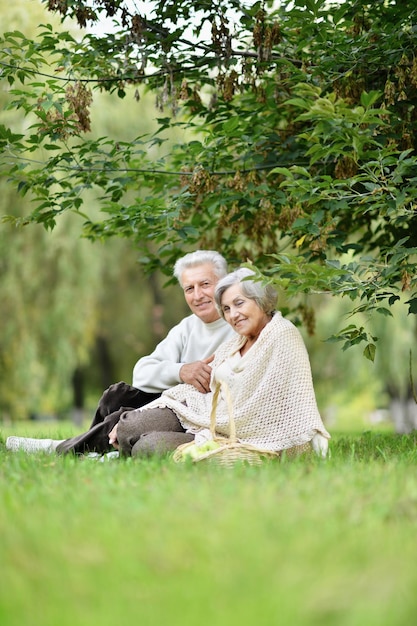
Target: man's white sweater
{"x":190,"y":340}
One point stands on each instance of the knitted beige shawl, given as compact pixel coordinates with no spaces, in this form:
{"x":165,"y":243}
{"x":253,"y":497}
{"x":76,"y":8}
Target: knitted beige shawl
{"x":272,"y":390}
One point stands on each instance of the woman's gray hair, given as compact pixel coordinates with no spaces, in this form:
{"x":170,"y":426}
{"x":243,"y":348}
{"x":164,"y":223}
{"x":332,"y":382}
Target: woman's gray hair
{"x":265,"y":296}
{"x":200,"y":257}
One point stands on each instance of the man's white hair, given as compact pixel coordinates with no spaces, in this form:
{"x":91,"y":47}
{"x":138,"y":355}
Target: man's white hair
{"x":200,"y":257}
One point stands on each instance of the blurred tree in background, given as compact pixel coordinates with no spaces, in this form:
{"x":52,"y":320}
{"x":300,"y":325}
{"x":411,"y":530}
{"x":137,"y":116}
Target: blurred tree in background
{"x":74,"y":316}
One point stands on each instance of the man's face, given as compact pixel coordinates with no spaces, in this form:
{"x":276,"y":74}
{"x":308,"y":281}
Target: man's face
{"x":199,"y":283}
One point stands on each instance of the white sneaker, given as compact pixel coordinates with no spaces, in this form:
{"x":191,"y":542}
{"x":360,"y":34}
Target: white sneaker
{"x":102,"y":457}
{"x":320,"y":445}
{"x":32,"y":445}
{"x":114,"y":454}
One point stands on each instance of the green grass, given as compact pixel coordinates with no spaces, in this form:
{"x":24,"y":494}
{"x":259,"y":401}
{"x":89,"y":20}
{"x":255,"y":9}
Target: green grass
{"x":304,"y":542}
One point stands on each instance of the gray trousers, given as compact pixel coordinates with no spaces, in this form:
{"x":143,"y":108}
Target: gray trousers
{"x":117,"y":399}
{"x":150,"y":432}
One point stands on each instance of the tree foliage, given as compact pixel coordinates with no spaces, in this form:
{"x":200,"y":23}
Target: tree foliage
{"x":299,"y":137}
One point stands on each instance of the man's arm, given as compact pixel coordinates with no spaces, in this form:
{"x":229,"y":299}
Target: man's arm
{"x":160,"y":370}
{"x":180,"y":357}
{"x":153,"y":376}
{"x":183,"y":356}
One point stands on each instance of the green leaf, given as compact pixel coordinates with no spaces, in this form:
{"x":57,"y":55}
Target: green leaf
{"x":412,"y":305}
{"x":369,"y":351}
{"x":231,"y":124}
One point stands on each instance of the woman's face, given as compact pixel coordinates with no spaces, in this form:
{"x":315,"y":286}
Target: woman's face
{"x":242,"y":313}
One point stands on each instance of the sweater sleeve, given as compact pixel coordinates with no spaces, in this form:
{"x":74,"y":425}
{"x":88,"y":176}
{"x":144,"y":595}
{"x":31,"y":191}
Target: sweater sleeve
{"x":161,"y":369}
{"x":190,"y":340}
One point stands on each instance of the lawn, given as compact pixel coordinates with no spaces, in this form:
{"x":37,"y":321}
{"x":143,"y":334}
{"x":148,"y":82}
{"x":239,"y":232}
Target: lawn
{"x":304,"y":542}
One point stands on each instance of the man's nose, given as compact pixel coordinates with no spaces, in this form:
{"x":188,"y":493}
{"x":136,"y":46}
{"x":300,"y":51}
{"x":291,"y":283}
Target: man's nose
{"x":198,"y":293}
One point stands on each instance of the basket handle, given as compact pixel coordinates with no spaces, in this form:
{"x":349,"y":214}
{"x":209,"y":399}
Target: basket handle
{"x":229,"y":402}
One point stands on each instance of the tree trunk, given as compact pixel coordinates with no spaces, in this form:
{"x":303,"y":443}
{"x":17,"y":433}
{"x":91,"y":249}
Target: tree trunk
{"x":404,"y":415}
{"x":105,"y":362}
{"x":158,"y":326}
{"x":79,"y":396}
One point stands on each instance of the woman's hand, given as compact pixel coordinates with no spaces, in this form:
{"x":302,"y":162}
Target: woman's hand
{"x":113,"y":437}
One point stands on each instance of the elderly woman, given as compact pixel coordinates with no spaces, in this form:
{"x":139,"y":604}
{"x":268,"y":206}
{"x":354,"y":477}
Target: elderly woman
{"x":267,"y":370}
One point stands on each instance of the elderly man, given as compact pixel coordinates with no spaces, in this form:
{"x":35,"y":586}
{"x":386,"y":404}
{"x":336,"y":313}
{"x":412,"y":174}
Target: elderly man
{"x":183,"y":356}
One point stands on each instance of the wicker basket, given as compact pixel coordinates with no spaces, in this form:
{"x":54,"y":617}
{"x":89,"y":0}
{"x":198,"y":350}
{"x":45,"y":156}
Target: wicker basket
{"x":229,"y":450}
